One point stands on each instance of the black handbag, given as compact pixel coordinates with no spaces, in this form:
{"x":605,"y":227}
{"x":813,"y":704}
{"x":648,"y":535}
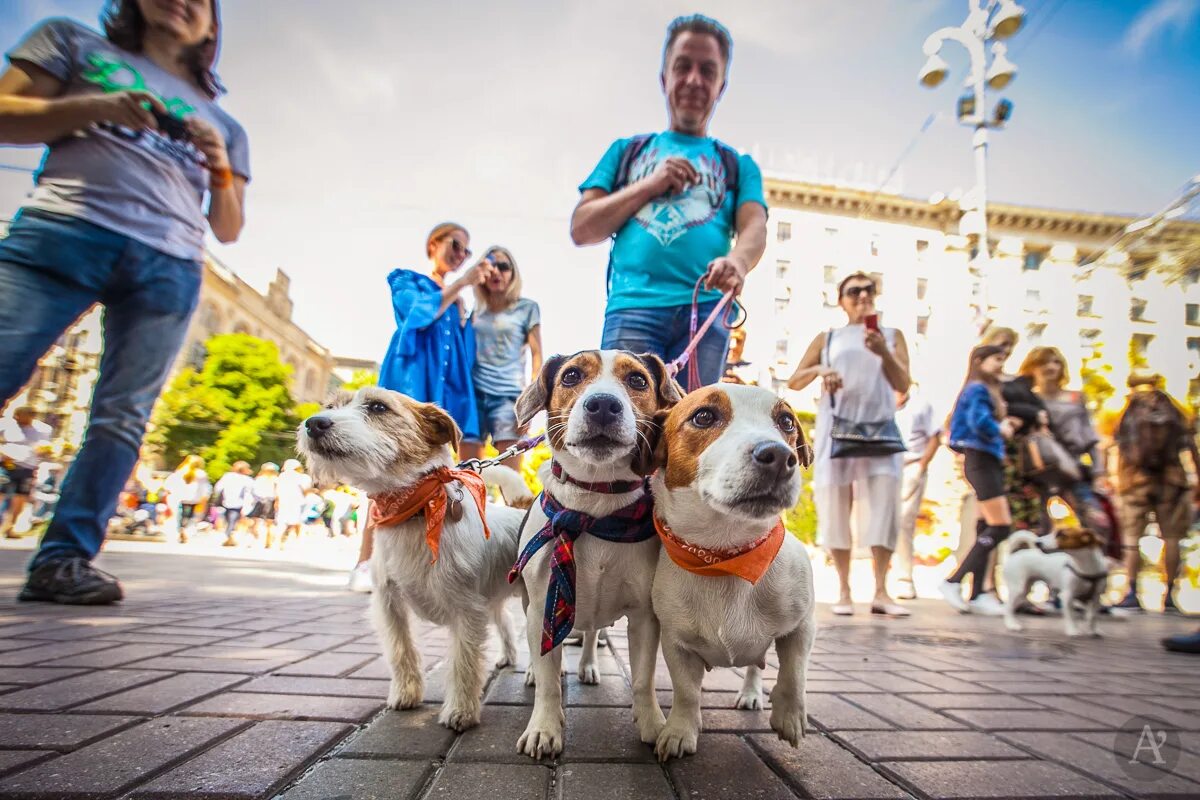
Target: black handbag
{"x":852,"y":439}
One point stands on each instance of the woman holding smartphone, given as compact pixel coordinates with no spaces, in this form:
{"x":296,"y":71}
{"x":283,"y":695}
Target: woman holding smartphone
{"x":861,"y":367}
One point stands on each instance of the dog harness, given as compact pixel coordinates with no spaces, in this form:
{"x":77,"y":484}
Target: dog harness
{"x":431,"y":495}
{"x":1094,"y":581}
{"x":748,"y":563}
{"x":631,"y":524}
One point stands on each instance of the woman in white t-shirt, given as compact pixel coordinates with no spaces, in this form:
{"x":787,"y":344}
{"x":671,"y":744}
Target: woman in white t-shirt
{"x":187,"y":488}
{"x":260,"y":508}
{"x":232,"y":493}
{"x":290,"y":500}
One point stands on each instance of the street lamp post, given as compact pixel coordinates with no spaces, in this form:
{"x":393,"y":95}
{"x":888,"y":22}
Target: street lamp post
{"x":987,"y":22}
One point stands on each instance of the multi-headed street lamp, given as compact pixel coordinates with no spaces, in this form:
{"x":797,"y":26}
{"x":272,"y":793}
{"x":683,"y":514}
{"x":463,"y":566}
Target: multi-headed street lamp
{"x":988,"y":22}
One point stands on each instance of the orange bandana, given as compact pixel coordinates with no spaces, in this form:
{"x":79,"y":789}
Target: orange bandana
{"x":431,"y":495}
{"x":749,"y":563}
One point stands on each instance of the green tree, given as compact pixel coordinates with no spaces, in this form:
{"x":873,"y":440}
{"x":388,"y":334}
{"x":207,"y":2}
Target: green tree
{"x":1093,"y":375}
{"x":237,"y":407}
{"x":360,"y":378}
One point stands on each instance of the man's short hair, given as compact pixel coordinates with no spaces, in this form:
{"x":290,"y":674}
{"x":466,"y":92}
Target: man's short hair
{"x":25,"y":411}
{"x":698,"y":23}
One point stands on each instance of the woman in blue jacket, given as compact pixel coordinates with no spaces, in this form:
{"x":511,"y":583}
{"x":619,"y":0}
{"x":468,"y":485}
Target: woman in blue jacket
{"x":978,"y":429}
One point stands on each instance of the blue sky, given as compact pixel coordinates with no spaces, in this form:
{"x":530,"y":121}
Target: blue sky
{"x":370,"y":121}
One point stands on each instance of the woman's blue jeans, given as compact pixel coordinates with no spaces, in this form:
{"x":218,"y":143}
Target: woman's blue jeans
{"x":52,"y":269}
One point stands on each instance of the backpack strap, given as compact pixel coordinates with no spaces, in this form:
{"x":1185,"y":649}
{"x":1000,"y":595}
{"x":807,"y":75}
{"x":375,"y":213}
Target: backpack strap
{"x":731,"y":161}
{"x":633,"y":148}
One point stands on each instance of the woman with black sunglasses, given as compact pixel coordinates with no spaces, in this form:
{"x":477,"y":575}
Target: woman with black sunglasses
{"x":505,"y":324}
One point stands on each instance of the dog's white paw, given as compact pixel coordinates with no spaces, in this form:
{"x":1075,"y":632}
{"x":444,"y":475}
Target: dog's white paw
{"x":589,"y":674}
{"x":541,"y":739}
{"x":788,"y":723}
{"x":650,"y":722}
{"x":676,"y":740}
{"x":530,"y":677}
{"x":460,"y":718}
{"x":1014,"y":626}
{"x":507,"y":660}
{"x":407,"y":693}
{"x":750,"y":700}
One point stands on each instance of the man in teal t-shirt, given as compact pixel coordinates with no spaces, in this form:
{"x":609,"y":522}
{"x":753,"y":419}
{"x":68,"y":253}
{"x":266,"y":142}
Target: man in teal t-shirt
{"x":673,"y":203}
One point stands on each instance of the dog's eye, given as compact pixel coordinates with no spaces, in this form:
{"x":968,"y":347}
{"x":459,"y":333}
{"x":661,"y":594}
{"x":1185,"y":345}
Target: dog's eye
{"x":704,"y":418}
{"x":787,"y":422}
{"x":376,"y":407}
{"x":637,"y":381}
{"x":572,"y":376}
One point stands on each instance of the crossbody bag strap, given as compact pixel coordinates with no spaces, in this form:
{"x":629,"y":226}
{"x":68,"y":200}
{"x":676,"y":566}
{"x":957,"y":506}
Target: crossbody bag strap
{"x":829,"y":361}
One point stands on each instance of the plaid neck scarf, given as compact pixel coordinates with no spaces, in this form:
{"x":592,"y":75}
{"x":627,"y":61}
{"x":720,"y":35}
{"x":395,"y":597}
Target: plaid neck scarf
{"x":633,"y":523}
{"x":599,"y":487}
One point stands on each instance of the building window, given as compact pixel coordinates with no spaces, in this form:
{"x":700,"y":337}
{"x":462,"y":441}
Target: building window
{"x":781,"y":269}
{"x":242,"y":327}
{"x":1139,"y":346}
{"x":1033,"y":299}
{"x":922,"y":288}
{"x":783,"y":231}
{"x":781,"y":350}
{"x":830,"y":274}
{"x":781,"y":305}
{"x":1036,"y":332}
{"x":1192,"y":313}
{"x":196,"y":356}
{"x":1139,"y":274}
{"x":1089,"y":338}
{"x":923,"y":325}
{"x":1193,"y":346}
{"x":922,"y":246}
{"x":877,"y":277}
{"x":1191,"y":277}
{"x":1083,"y":305}
{"x":831,"y":232}
{"x":1137,"y":309}
{"x":874,"y":245}
{"x":1033,"y":260}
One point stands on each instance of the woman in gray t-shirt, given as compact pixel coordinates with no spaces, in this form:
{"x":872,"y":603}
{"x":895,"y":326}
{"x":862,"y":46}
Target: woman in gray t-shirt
{"x":140,"y":164}
{"x":505,"y":324}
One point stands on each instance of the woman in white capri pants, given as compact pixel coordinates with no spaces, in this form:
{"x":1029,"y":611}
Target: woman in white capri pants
{"x":861,"y":366}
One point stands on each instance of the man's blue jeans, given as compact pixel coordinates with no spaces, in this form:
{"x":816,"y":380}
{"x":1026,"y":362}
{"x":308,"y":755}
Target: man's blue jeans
{"x":664,"y":332}
{"x":52,"y":269}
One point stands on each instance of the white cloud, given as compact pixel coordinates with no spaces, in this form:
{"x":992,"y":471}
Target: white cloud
{"x":1164,"y":16}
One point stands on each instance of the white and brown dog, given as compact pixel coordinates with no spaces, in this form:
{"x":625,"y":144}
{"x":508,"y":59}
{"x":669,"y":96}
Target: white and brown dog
{"x":588,"y":549}
{"x":433,"y":552}
{"x":731,"y":580}
{"x":1070,"y":561}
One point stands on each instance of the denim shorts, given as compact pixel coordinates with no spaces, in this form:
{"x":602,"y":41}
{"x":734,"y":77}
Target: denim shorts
{"x":497,"y":417}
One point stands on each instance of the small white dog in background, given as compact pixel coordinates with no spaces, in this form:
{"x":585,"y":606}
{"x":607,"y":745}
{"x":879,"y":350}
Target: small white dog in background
{"x":389,"y":445}
{"x":731,"y":580}
{"x":1070,"y":561}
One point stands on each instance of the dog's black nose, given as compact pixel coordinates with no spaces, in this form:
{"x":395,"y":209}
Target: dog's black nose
{"x":775,"y":458}
{"x":603,"y":409}
{"x":316,"y":426}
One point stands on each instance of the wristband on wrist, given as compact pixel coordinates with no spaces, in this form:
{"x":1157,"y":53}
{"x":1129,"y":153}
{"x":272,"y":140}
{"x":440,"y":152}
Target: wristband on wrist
{"x":220,"y":178}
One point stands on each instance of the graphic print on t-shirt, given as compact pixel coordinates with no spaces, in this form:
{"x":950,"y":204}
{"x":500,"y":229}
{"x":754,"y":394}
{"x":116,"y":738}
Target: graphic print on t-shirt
{"x":668,"y":217}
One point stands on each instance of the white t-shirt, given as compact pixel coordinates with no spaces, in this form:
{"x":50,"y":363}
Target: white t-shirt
{"x":235,"y":490}
{"x":916,"y":426}
{"x":20,"y":442}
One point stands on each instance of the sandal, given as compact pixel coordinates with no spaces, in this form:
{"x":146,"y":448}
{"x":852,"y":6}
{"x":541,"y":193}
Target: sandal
{"x":890,"y":610}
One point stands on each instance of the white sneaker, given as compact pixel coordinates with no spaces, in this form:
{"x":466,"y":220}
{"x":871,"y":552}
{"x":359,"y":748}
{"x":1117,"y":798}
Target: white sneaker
{"x":988,"y":605}
{"x":360,"y":578}
{"x":952,"y":592}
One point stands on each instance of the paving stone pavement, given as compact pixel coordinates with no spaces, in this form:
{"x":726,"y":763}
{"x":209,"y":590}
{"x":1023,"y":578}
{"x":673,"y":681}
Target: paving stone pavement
{"x":224,"y":678}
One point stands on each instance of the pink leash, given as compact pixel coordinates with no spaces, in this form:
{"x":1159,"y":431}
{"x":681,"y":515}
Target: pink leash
{"x":696,"y":334}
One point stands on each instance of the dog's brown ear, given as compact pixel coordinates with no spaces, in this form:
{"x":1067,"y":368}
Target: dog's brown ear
{"x":804,"y":450}
{"x":669,"y":391}
{"x":537,"y":394}
{"x":438,"y":426}
{"x":1087,"y":538}
{"x":652,"y":446}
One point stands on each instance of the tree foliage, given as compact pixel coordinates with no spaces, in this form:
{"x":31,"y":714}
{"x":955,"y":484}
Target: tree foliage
{"x":237,"y":407}
{"x":360,"y":378}
{"x":1093,"y":374}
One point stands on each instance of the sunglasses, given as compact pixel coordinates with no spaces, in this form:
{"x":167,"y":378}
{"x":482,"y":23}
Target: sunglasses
{"x":459,"y":248}
{"x":503,"y":266}
{"x":855,"y":291}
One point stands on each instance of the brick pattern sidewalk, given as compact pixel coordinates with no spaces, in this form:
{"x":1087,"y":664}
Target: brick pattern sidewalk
{"x":201,"y":688}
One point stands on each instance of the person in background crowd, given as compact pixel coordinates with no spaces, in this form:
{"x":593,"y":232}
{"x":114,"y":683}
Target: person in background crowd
{"x":505,"y":324}
{"x":861,"y":369}
{"x":234,"y":493}
{"x":23,"y":443}
{"x":922,"y":437}
{"x":313,"y":512}
{"x":979,"y":427}
{"x":290,"y":489}
{"x":45,"y":491}
{"x":187,"y":487}
{"x":1071,"y":424}
{"x":432,"y":352}
{"x":341,"y":510}
{"x":672,"y":202}
{"x":140,"y":164}
{"x":261,"y":511}
{"x":1152,"y":435}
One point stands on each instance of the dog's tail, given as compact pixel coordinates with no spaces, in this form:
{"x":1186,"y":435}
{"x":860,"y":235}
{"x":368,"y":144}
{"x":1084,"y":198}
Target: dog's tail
{"x":512,"y":485}
{"x":1021,"y":540}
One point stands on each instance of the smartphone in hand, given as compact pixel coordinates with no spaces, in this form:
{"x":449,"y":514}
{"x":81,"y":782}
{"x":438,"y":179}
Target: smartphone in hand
{"x":872,"y":322}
